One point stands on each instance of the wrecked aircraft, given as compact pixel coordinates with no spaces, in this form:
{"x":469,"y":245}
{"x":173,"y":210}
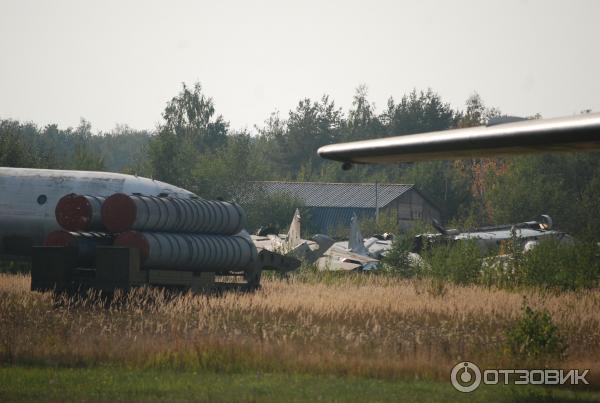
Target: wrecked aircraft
{"x":489,"y":238}
{"x":356,"y":253}
{"x":291,"y":244}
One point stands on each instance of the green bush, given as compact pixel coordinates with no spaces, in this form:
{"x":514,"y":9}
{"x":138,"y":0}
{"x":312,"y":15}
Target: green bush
{"x":559,"y":265}
{"x":551,"y":264}
{"x":458,"y":262}
{"x":397,"y":260}
{"x":535,"y":336}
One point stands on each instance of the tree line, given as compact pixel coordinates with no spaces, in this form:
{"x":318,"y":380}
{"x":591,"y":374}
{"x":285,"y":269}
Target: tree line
{"x":194,"y":147}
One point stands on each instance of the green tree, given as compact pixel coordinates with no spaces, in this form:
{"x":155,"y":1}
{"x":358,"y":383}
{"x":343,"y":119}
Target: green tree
{"x":476,"y":113}
{"x":13,"y":152}
{"x":417,"y":113}
{"x":444,"y":184}
{"x":362,"y":122}
{"x":565,"y":186}
{"x":191,"y":115}
{"x":85,"y":160}
{"x":123,"y":149}
{"x":310,"y":126}
{"x":83,"y":157}
{"x":267,"y":209}
{"x":190,"y":129}
{"x":226,"y":173}
{"x":270,"y":146}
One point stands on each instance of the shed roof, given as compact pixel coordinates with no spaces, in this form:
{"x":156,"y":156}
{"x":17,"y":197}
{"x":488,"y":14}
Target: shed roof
{"x":321,"y":194}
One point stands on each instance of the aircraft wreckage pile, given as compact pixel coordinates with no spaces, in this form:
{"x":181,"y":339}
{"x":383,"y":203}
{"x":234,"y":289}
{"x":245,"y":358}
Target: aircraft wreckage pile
{"x":360,"y":254}
{"x":171,"y":234}
{"x":356,"y":254}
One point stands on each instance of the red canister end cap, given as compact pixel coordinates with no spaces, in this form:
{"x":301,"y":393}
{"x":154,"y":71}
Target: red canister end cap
{"x":134,"y":239}
{"x":73,"y":213}
{"x":118,"y":213}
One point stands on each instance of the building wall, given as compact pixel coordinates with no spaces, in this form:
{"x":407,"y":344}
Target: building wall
{"x":409,"y":208}
{"x":329,"y":220}
{"x":412,"y":207}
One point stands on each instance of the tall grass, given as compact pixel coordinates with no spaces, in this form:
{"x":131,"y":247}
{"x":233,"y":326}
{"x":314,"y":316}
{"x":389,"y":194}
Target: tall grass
{"x":376,"y":326}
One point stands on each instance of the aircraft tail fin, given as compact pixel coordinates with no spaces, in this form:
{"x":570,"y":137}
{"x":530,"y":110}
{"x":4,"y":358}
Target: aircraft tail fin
{"x":356,"y":243}
{"x":438,"y":226}
{"x":293,"y":236}
{"x":324,"y":243}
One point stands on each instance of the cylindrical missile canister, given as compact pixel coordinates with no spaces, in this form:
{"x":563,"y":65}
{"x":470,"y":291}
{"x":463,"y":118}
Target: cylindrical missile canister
{"x":121,"y":212}
{"x":198,"y":252}
{"x":79,"y":213}
{"x":84,"y":242}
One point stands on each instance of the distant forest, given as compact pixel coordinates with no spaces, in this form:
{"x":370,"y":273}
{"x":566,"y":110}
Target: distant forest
{"x":194,"y":147}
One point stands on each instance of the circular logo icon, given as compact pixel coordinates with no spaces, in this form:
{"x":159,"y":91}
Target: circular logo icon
{"x":465,"y":377}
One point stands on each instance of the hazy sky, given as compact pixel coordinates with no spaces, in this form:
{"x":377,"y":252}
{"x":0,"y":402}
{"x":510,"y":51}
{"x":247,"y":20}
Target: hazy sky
{"x":119,"y":62}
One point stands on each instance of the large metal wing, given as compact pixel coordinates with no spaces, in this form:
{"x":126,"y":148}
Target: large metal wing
{"x":577,"y":133}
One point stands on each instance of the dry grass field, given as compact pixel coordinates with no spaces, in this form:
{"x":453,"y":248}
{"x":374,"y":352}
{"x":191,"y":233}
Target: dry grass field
{"x":369,"y":326}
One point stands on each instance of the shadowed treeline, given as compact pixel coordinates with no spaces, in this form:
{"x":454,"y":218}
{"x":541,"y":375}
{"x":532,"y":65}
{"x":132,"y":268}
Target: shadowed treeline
{"x":194,"y":147}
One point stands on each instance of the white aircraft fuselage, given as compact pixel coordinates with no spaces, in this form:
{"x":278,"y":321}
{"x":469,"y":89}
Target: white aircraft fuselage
{"x":28,"y":198}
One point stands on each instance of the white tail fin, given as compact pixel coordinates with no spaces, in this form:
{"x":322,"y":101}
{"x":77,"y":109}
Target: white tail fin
{"x":356,"y":243}
{"x":293,"y":236}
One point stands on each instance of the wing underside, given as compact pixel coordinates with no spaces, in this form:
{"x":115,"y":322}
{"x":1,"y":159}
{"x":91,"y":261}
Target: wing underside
{"x":577,"y":133}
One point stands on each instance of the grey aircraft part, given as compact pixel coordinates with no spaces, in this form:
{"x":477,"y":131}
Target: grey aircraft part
{"x":291,"y":244}
{"x":340,"y":258}
{"x":375,"y":246}
{"x":29,"y":198}
{"x":378,"y":248}
{"x":293,"y":237}
{"x":489,"y":240}
{"x":351,"y":255}
{"x":281,"y":243}
{"x":577,"y":133}
{"x":528,"y":234}
{"x":356,"y":243}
